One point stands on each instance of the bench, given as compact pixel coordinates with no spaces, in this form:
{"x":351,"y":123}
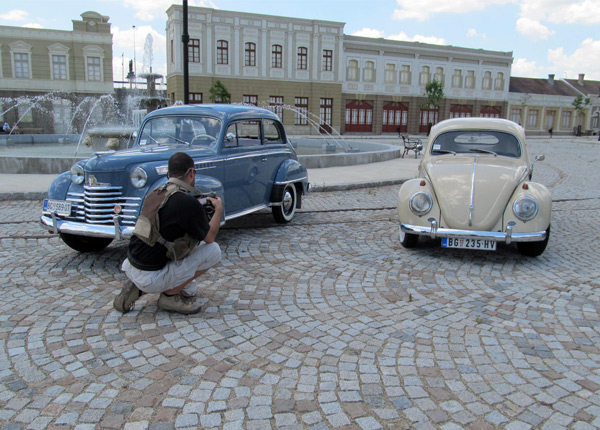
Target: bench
{"x":411,"y":145}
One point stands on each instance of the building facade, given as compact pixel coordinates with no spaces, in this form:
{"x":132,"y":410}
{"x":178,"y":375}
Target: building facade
{"x":45,"y":74}
{"x":317,"y":78}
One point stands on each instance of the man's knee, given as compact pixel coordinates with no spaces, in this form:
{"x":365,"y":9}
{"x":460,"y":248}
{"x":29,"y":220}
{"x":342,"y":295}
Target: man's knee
{"x":213,"y":253}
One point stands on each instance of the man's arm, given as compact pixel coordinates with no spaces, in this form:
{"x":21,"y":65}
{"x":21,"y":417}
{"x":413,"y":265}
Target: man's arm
{"x":215,"y":221}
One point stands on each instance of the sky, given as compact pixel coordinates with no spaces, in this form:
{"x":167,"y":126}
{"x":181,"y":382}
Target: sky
{"x":559,"y":37}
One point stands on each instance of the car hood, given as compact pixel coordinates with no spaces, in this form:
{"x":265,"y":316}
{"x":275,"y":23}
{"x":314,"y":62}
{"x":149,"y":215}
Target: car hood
{"x":119,"y":160}
{"x":486,"y":180}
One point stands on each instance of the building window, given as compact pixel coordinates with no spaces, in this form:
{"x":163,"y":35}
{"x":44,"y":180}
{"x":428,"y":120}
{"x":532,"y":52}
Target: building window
{"x":515,"y":116}
{"x":487,"y":81}
{"x":405,"y":75}
{"x":532,"y":118}
{"x":490,"y":112}
{"x":250,"y":55}
{"x":222,"y":52}
{"x":390,"y":73}
{"x":59,"y":67}
{"x":439,"y":75}
{"x":499,"y":84}
{"x":301,"y":114}
{"x":195,"y":98}
{"x":326,"y":110}
{"x":470,"y":79}
{"x":172,"y":52}
{"x":194,"y":50}
{"x":566,"y":120}
{"x":276,"y":105}
{"x":250,"y":100}
{"x":369,"y":72}
{"x":327,"y":60}
{"x":457,"y":80}
{"x":21,"y":65}
{"x":302,"y":58}
{"x":425,"y":76}
{"x":460,"y":111}
{"x":93,"y":69}
{"x":353,"y":70}
{"x":277,"y":57}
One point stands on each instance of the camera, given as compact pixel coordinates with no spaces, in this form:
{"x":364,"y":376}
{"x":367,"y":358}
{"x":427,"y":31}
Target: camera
{"x":208,"y":206}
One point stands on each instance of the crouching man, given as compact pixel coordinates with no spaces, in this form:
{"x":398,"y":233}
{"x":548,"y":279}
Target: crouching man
{"x":173,"y":243}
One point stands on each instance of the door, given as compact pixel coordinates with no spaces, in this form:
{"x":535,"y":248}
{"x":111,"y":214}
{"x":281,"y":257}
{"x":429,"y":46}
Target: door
{"x":395,"y":118}
{"x":359,"y":117}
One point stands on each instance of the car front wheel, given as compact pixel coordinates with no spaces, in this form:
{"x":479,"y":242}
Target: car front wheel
{"x":533,"y":249}
{"x":85,"y":243}
{"x":284,"y":212}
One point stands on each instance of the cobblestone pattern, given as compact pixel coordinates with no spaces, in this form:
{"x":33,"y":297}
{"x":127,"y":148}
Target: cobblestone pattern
{"x":324,"y":323}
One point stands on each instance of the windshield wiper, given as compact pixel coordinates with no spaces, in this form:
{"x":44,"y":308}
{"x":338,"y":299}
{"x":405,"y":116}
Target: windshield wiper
{"x":179,"y":140}
{"x":484,"y":151}
{"x":444,"y":151}
{"x":153,"y":139}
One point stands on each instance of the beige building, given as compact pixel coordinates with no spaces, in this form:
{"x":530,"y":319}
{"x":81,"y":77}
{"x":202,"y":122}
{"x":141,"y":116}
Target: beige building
{"x":45,"y":74}
{"x":315,"y":77}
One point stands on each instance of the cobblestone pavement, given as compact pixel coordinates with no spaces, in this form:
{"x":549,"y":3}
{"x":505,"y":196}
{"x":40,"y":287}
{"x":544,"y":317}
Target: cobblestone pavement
{"x":324,"y":323}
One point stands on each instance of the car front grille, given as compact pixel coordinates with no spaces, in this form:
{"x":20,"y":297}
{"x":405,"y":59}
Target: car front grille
{"x":97,"y":203}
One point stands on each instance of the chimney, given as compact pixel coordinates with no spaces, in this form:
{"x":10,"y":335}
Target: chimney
{"x":580,"y":80}
{"x":551,"y":79}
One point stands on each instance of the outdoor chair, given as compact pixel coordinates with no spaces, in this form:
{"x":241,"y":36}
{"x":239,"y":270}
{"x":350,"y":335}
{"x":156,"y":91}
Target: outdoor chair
{"x":411,"y":145}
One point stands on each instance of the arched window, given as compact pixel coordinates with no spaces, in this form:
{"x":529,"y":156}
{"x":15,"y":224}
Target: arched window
{"x":353,"y":70}
{"x":425,"y":76}
{"x":369,"y":72}
{"x":499,"y":84}
{"x":487,"y":81}
{"x":390,"y":73}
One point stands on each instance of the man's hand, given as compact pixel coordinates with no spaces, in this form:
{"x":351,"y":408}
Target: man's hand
{"x":216,"y":202}
{"x":215,"y":221}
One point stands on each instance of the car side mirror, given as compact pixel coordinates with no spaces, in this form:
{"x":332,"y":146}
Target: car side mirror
{"x":230,"y":137}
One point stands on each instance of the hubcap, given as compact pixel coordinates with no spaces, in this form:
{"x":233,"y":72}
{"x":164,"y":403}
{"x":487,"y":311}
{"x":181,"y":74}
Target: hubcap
{"x":287,"y":202}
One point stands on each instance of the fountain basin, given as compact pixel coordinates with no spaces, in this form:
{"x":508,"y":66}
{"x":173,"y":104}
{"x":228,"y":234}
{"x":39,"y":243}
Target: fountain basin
{"x":317,"y":152}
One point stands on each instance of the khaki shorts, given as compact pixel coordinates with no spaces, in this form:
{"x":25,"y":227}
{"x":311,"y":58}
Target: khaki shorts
{"x":175,"y":273}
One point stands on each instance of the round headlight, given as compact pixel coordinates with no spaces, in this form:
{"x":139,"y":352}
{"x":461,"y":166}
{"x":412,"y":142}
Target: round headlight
{"x":525,"y":208}
{"x":421,"y":203}
{"x":138,"y":177}
{"x":77,"y":174}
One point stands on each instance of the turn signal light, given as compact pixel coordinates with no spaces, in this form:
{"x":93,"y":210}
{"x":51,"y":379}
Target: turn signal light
{"x":525,"y":186}
{"x":423,"y":183}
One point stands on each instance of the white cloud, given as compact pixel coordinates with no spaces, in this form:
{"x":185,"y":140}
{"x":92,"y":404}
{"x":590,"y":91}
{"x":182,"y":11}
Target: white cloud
{"x":419,"y":38}
{"x":424,"y":9}
{"x":368,"y":32}
{"x":14,"y":15}
{"x":471,"y":32}
{"x":32,"y":25}
{"x":524,"y":68}
{"x":533,"y":29}
{"x":585,"y":12}
{"x":583,"y":60}
{"x":148,"y":10}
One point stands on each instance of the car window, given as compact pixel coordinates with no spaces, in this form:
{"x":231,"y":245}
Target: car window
{"x":272,"y":131}
{"x":243,"y":134}
{"x":190,"y":130}
{"x":477,"y":141}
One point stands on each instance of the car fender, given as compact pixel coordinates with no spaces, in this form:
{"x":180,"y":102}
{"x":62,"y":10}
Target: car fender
{"x":407,"y":190}
{"x":59,"y":187}
{"x":542,"y":220}
{"x":289,"y":171}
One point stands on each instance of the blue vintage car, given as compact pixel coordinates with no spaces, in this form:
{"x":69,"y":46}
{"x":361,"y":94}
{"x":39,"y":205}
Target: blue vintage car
{"x":242,"y":154}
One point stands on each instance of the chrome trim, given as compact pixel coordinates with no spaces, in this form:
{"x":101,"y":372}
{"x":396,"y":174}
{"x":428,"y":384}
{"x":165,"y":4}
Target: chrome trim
{"x":291,"y":181}
{"x":499,"y":236}
{"x":472,"y":204}
{"x":256,"y":154}
{"x":246,"y":212}
{"x":83,"y":229}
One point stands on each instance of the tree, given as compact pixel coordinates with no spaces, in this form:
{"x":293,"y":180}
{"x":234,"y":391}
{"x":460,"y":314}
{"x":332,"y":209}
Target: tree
{"x":434,"y":91}
{"x":219,"y":93}
{"x":580,"y":104}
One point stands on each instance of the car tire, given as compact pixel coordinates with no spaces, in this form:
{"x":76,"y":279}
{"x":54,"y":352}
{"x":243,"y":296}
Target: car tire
{"x":85,"y":243}
{"x":284,"y":212}
{"x":408,"y":240}
{"x":534,"y":249}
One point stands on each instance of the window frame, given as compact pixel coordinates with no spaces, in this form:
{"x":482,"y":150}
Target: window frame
{"x":327,"y":60}
{"x":250,"y":54}
{"x":222,"y":52}
{"x":194,"y":51}
{"x":302,"y":58}
{"x":276,"y":56}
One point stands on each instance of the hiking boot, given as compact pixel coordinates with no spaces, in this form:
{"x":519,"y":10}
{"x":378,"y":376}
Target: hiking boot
{"x":125,"y":301}
{"x":179,"y":303}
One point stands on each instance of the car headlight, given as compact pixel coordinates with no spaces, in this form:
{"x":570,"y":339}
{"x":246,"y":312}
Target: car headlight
{"x":77,"y":174}
{"x":138,"y":177}
{"x":421,"y":203}
{"x":525,"y":208}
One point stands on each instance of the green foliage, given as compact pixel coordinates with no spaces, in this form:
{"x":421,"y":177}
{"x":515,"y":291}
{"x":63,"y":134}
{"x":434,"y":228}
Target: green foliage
{"x":219,"y":93}
{"x":434,"y":91}
{"x":580,"y":103}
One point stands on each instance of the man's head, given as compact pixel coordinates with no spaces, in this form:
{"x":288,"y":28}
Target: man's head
{"x":180,"y":165}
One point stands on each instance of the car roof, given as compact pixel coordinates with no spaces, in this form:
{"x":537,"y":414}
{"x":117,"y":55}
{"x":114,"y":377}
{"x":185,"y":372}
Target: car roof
{"x":476,"y":123}
{"x":221,"y":111}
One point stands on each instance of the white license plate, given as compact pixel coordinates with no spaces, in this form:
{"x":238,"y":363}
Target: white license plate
{"x":61,"y":207}
{"x":466,"y":243}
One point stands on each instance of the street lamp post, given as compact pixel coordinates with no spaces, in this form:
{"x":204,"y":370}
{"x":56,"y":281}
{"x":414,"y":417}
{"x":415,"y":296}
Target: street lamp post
{"x":185,"y":38}
{"x":134,"y":65}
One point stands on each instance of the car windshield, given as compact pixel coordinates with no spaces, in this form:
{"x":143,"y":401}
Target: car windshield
{"x":477,"y":141}
{"x":189,"y":130}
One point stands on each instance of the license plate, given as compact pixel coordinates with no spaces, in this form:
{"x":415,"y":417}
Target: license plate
{"x":61,"y":207}
{"x":465,"y":243}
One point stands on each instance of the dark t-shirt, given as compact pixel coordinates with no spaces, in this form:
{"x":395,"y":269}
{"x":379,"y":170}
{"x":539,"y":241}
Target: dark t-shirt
{"x":181,"y":214}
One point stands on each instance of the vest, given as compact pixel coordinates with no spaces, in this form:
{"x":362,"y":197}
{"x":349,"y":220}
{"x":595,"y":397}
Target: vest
{"x":147,"y":226}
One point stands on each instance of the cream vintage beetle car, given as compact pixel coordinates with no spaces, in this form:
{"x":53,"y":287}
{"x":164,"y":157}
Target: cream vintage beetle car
{"x":474,"y":189}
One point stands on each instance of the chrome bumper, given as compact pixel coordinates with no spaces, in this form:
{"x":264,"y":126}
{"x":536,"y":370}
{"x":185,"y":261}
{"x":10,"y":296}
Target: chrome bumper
{"x":115,"y":231}
{"x":508,"y":236}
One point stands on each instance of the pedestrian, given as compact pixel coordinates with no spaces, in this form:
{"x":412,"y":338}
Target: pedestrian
{"x":550,"y":131}
{"x":173,"y":243}
{"x":6,"y":128}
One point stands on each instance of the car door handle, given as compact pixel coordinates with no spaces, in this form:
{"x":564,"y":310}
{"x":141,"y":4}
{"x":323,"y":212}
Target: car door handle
{"x":264,"y":159}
